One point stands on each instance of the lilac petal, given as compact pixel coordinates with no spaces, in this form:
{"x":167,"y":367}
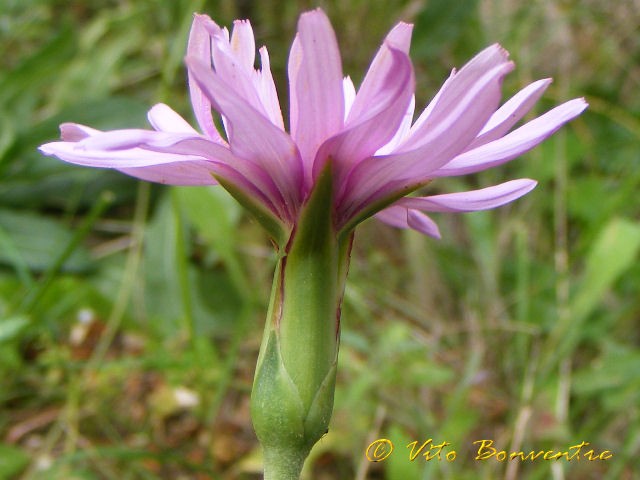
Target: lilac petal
{"x":380,"y":177}
{"x":267,"y":90}
{"x":253,"y":137}
{"x":474,"y":200}
{"x":422,"y":223}
{"x":401,"y":217}
{"x":181,"y":163}
{"x":254,"y":174}
{"x":231,"y":69}
{"x":245,"y":181}
{"x":212,"y":151}
{"x":164,"y":119}
{"x":511,"y":112}
{"x":293,"y":68}
{"x":349,"y":94}
{"x":195,"y":161}
{"x":73,"y":132}
{"x":403,"y":130}
{"x":365,"y":134}
{"x":399,"y":38}
{"x":199,"y":46}
{"x":515,"y":143}
{"x":131,"y":138}
{"x":456,"y":89}
{"x":243,"y":43}
{"x":426,"y":113}
{"x":183,"y":173}
{"x":316,"y":93}
{"x":234,"y":62}
{"x":125,"y":158}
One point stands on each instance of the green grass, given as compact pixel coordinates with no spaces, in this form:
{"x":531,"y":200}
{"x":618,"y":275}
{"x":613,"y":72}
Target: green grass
{"x":131,"y":314}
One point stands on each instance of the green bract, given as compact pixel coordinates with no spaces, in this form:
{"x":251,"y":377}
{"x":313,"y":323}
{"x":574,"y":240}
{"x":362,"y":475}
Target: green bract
{"x":295,"y":377}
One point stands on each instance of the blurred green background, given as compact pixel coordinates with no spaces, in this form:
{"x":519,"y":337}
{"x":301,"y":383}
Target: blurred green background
{"x":131,"y":314}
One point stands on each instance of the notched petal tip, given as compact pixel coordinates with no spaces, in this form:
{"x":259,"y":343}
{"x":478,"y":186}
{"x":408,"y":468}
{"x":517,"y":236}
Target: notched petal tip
{"x":74,"y":132}
{"x":69,"y":132}
{"x":400,"y":36}
{"x":572,"y":108}
{"x":403,"y":25}
{"x":317,"y":16}
{"x":310,"y":13}
{"x":204,"y":23}
{"x":203,"y":19}
{"x":243,"y":44}
{"x":499,"y":49}
{"x":509,"y":67}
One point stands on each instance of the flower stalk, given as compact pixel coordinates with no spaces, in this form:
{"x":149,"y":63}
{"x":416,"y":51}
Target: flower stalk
{"x":294,"y":383}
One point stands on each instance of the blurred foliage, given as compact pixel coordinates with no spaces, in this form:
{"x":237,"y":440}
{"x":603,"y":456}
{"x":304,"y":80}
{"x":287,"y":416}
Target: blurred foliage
{"x":128,"y":336}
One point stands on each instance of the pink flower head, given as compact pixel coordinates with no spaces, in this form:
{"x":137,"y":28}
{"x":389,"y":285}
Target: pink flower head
{"x":367,"y":139}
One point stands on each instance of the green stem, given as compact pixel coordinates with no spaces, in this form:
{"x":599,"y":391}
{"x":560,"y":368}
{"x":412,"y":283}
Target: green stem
{"x":292,"y":396}
{"x":283,"y":464}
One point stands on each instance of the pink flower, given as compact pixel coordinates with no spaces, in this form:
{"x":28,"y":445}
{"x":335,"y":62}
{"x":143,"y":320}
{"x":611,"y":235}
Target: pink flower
{"x":376,"y":155}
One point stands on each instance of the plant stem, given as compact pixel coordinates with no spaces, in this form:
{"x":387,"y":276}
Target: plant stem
{"x":294,"y":383}
{"x":284,"y":463}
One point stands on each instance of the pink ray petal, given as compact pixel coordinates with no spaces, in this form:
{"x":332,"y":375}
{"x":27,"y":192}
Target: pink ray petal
{"x":293,"y":68}
{"x":253,"y":137}
{"x":125,"y":158}
{"x":246,"y":176}
{"x":399,"y":38}
{"x":199,"y":46}
{"x":441,"y":116}
{"x":403,"y":130}
{"x":254,"y":173}
{"x":471,"y":201}
{"x":131,"y":138}
{"x":255,"y":176}
{"x":267,"y":90}
{"x":231,"y":69}
{"x":164,"y":119}
{"x":243,"y":43}
{"x":377,"y":156}
{"x":234,"y":63}
{"x":511,"y":112}
{"x":401,"y":217}
{"x":379,"y":177}
{"x":426,"y":113}
{"x":363,"y":135}
{"x":183,"y":173}
{"x":349,"y":94}
{"x":73,"y":132}
{"x":513,"y":144}
{"x":170,"y":159}
{"x":316,"y":93}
